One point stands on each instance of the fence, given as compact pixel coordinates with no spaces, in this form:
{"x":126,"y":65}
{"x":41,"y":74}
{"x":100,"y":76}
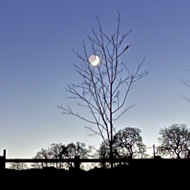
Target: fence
{"x":76,"y":161}
{"x":148,"y":162}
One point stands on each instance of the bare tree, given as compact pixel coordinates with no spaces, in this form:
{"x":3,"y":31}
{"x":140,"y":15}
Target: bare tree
{"x":56,"y":152}
{"x":129,"y":143}
{"x":78,"y":149}
{"x":104,"y":88}
{"x":42,"y":154}
{"x":175,"y":141}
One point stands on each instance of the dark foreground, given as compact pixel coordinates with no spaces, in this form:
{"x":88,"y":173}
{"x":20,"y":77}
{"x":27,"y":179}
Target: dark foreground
{"x":146,"y":174}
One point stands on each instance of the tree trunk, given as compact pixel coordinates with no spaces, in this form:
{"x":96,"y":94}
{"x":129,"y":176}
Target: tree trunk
{"x":111,"y":153}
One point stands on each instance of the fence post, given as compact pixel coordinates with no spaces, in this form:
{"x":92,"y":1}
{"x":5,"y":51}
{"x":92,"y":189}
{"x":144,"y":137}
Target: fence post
{"x":76,"y":162}
{"x":2,"y":161}
{"x":154,"y":150}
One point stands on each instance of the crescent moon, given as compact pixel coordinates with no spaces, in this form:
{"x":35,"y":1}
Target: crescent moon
{"x":94,"y":60}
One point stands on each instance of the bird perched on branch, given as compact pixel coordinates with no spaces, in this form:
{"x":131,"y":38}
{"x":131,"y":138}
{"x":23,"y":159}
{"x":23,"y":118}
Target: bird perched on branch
{"x":127,"y":47}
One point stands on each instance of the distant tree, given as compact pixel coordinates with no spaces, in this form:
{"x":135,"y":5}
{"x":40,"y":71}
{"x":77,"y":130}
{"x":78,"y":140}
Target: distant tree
{"x":43,"y":154}
{"x":104,"y":153}
{"x":128,"y":143}
{"x":56,"y":151}
{"x":61,"y":151}
{"x":175,"y":141}
{"x":78,"y":149}
{"x":104,"y":88}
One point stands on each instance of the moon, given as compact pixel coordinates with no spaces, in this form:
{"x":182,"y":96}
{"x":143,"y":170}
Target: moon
{"x":94,"y":60}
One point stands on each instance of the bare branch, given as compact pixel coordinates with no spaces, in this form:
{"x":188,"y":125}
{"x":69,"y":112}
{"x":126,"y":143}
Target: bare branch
{"x":123,"y":112}
{"x":70,"y":112}
{"x":104,"y":89}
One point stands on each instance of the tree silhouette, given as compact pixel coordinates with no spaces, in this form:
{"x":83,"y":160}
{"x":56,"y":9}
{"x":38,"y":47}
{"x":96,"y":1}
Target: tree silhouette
{"x":42,"y":154}
{"x":61,"y":151}
{"x":56,"y":152}
{"x":104,"y":153}
{"x":128,"y":142}
{"x":175,"y":141}
{"x":78,"y":149}
{"x":104,"y":88}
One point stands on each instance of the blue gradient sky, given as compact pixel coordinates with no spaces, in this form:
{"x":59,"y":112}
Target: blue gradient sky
{"x":36,"y":64}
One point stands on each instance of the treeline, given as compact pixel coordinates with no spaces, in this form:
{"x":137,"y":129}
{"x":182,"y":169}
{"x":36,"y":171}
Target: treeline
{"x":128,"y":143}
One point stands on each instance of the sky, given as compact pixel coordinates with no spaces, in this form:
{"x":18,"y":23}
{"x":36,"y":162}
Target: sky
{"x":36,"y":64}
